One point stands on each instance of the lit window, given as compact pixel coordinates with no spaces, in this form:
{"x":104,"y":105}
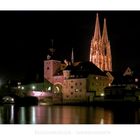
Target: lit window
{"x":71,"y":93}
{"x":19,"y":83}
{"x":97,"y":78}
{"x":76,"y":90}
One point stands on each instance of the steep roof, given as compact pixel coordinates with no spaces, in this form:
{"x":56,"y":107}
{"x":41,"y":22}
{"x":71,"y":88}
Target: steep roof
{"x":83,"y":69}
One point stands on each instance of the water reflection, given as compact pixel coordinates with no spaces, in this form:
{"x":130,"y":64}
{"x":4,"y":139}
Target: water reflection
{"x":10,"y":114}
{"x":7,"y":114}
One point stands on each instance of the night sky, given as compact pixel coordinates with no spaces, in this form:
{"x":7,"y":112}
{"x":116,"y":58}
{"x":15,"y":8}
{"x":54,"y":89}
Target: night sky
{"x":25,"y":37}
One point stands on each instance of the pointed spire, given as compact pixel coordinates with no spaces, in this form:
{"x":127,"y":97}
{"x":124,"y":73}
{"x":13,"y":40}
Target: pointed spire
{"x":105,"y":35}
{"x":72,"y":56}
{"x":97,"y":33}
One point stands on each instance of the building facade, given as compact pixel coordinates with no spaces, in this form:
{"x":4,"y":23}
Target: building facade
{"x":75,"y":83}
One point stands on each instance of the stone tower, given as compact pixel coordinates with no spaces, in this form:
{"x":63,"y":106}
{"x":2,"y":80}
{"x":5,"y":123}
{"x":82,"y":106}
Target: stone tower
{"x":100,"y":51}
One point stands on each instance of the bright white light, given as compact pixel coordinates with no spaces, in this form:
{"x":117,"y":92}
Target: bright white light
{"x":102,"y":94}
{"x":19,"y":87}
{"x":33,"y":87}
{"x":109,"y":84}
{"x":136,"y":79}
{"x":19,"y":83}
{"x":49,"y":88}
{"x":57,"y":88}
{"x":97,"y":78}
{"x":22,"y":88}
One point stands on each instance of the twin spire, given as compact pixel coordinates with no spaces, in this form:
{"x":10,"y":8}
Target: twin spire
{"x":97,"y":32}
{"x":100,"y":51}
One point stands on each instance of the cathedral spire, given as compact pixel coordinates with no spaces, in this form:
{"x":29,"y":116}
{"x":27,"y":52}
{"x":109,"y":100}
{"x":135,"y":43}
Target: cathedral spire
{"x":97,"y":33}
{"x":105,"y":35}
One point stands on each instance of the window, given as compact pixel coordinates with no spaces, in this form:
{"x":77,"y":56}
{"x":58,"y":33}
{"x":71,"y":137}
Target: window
{"x":76,"y":90}
{"x":71,"y":86}
{"x":71,"y":93}
{"x":97,"y":77}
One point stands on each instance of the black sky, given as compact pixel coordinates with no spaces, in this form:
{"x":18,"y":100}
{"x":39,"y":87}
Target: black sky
{"x":25,"y":37}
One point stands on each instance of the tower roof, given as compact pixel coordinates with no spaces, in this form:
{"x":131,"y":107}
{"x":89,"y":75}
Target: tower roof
{"x":105,"y":35}
{"x":97,"y":33}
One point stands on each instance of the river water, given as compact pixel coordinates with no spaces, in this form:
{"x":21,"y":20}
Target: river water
{"x":11,"y":114}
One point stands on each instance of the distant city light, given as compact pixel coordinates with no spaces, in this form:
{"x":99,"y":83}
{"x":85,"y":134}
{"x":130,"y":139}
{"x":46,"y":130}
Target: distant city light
{"x":22,"y":88}
{"x":136,"y":79}
{"x":19,"y":83}
{"x":33,"y":87}
{"x":102,"y":94}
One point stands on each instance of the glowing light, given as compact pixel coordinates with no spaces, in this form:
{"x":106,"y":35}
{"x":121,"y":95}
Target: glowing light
{"x":33,"y":87}
{"x":96,"y":77}
{"x":19,"y":87}
{"x":109,"y":84}
{"x":136,"y":79}
{"x":76,"y":90}
{"x":49,"y":88}
{"x":102,"y":94}
{"x":57,"y":88}
{"x":22,"y":88}
{"x":40,"y":94}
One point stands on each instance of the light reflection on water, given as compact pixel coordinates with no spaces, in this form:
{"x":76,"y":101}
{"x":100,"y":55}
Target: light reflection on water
{"x":10,"y":114}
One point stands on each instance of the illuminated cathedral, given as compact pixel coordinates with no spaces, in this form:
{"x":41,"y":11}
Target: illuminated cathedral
{"x":100,"y":51}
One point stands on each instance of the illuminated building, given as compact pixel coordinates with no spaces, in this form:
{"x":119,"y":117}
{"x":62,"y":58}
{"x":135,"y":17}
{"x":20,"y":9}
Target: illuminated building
{"x":79,"y":81}
{"x":75,"y":81}
{"x":100,"y":51}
